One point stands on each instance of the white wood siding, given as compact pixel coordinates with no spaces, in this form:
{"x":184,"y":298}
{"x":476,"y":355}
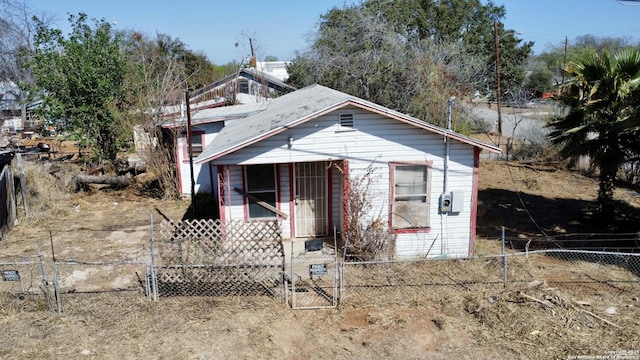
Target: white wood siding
{"x":201,"y":173}
{"x":377,"y":140}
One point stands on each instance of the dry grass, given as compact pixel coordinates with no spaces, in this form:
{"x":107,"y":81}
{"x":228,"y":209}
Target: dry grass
{"x":47,"y":195}
{"x":551,"y":309}
{"x":537,"y":318}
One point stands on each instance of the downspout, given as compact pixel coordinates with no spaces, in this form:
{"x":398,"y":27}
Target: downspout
{"x":446,"y":141}
{"x":445,"y":184}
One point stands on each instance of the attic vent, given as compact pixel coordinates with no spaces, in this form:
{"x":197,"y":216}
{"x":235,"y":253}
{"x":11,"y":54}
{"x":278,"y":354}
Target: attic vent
{"x":346,"y":120}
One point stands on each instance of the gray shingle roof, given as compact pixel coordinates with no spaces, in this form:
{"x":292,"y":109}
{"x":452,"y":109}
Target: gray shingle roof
{"x":299,"y":106}
{"x":279,"y":113}
{"x":221,"y":113}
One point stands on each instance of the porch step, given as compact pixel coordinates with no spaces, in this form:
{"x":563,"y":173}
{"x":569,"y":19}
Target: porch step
{"x":304,"y":253}
{"x":302,"y":246}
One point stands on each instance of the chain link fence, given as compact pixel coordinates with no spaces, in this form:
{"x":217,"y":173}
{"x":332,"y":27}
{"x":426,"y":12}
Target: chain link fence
{"x":210,"y":258}
{"x":312,"y":279}
{"x":86,"y":279}
{"x":577,"y":273}
{"x":416,"y":280}
{"x":25,"y":285}
{"x":623,"y":242}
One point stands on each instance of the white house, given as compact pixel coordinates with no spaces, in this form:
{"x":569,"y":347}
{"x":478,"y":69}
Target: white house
{"x":277,"y":69}
{"x":294,"y":160}
{"x":250,"y":89}
{"x":205,"y":125}
{"x":260,"y":84}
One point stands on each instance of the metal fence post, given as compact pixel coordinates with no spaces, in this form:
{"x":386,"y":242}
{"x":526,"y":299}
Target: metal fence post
{"x":504,"y":260}
{"x":45,"y":279}
{"x":56,"y":288}
{"x":154,"y":281}
{"x":293,"y":281}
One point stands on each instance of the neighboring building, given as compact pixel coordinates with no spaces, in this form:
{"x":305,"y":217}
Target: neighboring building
{"x":250,"y":81}
{"x":277,"y":69}
{"x":234,"y":97}
{"x":10,"y":108}
{"x":205,"y":125}
{"x":13,"y":118}
{"x":294,"y":160}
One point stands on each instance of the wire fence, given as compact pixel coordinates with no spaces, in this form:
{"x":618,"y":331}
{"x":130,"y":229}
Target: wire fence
{"x":312,"y":278}
{"x":234,"y":260}
{"x":622,"y":242}
{"x":25,"y":285}
{"x":77,"y":279}
{"x":578,"y":272}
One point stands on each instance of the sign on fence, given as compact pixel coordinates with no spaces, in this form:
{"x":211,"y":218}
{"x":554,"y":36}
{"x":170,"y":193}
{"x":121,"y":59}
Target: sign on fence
{"x":10,"y":275}
{"x":318,"y":269}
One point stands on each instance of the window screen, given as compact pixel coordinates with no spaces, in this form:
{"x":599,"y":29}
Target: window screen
{"x":410,"y":207}
{"x":261,"y":184}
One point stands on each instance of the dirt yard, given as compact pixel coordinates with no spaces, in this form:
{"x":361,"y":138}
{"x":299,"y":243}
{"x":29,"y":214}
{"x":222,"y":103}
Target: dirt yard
{"x":442,"y":323}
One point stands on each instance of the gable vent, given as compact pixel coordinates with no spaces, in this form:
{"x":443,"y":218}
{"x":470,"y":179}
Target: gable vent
{"x":346,"y":120}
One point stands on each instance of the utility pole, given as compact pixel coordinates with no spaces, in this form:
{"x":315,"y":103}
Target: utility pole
{"x":564,"y":61}
{"x":498,"y":92}
{"x":190,"y":151}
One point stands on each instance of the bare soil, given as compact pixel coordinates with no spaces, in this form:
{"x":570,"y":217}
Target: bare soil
{"x":536,"y":201}
{"x":444,"y":323}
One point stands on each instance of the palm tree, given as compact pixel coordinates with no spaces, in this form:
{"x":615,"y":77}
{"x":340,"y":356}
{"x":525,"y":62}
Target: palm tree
{"x":603,"y":119}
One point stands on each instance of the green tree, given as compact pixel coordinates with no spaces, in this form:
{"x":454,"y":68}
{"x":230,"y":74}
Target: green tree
{"x":81,"y":79}
{"x":603,"y":119}
{"x":540,"y":80}
{"x":198,"y":70}
{"x":221,"y":71}
{"x":409,"y":55}
{"x":556,"y":56}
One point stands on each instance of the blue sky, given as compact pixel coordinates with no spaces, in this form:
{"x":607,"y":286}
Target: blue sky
{"x":280,"y":27}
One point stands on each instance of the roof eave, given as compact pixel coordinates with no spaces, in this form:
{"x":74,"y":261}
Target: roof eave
{"x":275,"y":131}
{"x":424,"y":125}
{"x":364,"y":105}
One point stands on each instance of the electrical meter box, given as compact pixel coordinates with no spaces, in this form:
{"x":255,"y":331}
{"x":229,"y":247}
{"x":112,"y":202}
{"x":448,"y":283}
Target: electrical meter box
{"x":452,"y":202}
{"x":445,"y":203}
{"x":457,"y":201}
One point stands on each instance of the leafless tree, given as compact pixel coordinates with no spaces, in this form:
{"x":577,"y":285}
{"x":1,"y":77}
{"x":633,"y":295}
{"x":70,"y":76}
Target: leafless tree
{"x":156,"y":87}
{"x":17,"y":28}
{"x":365,"y":57}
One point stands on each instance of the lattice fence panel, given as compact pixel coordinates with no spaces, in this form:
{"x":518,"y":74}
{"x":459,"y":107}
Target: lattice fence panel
{"x":214,"y":258}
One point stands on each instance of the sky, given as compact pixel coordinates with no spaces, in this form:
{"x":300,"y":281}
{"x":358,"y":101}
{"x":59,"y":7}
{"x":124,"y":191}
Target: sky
{"x":281,"y":27}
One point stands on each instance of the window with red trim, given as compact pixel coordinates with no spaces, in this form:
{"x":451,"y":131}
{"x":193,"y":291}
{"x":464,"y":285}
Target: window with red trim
{"x":410,"y":188}
{"x":197,"y":143}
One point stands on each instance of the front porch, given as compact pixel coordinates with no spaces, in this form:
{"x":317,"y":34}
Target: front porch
{"x":212,"y":255}
{"x":307,"y":198}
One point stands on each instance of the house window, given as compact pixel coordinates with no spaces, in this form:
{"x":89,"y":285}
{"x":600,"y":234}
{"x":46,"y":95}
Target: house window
{"x":197,"y":143}
{"x":260,"y":185}
{"x":346,"y":120}
{"x":243,"y":86}
{"x":410,"y":196}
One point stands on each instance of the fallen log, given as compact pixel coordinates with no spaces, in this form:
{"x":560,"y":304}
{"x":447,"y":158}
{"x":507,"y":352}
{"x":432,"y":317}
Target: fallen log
{"x":82,"y":182}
